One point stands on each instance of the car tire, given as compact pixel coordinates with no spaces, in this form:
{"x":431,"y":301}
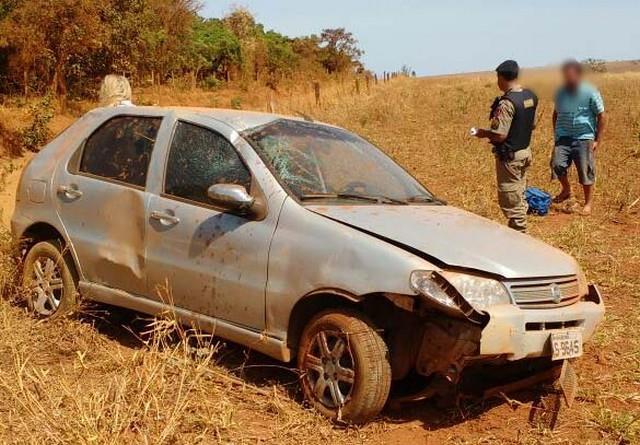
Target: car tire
{"x":346,"y":374}
{"x":48,"y":280}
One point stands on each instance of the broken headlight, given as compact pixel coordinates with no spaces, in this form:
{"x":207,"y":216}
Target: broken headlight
{"x":479,"y":292}
{"x":426,"y":283}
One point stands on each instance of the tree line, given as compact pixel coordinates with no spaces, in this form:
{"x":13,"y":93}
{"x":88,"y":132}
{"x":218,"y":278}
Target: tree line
{"x":66,"y":46}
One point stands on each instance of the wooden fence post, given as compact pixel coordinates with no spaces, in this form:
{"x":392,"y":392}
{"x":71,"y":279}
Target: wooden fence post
{"x":357,"y":85}
{"x":272,"y":104}
{"x":316,"y":90}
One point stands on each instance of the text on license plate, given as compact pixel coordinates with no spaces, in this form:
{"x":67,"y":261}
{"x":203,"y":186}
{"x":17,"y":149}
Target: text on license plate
{"x":566,"y":344}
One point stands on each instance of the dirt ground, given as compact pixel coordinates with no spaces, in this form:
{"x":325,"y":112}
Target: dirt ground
{"x":246,"y":398}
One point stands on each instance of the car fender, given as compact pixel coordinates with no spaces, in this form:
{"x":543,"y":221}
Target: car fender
{"x":312,"y":254}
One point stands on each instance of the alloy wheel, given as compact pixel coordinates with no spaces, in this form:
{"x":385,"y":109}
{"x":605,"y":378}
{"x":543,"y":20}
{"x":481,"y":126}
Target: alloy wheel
{"x":47,"y":287}
{"x":329,"y":368}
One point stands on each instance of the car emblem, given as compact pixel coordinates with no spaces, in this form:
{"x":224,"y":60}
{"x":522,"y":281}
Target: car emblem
{"x":556,"y":294}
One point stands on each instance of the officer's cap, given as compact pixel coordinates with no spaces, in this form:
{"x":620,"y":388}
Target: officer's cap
{"x":508,"y":67}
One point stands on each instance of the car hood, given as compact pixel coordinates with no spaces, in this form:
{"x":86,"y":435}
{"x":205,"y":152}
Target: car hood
{"x":456,"y":238}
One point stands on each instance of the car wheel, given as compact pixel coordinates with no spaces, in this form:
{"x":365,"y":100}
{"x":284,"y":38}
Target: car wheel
{"x":48,"y":281}
{"x":345,"y":367}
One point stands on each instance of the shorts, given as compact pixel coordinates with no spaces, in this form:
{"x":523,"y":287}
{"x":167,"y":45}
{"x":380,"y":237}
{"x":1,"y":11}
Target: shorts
{"x":581,"y":153}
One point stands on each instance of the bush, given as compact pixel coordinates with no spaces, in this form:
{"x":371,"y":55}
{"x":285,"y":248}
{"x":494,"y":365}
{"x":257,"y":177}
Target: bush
{"x":10,"y":142}
{"x":211,"y":83}
{"x":236,"y":103}
{"x":37,"y":133}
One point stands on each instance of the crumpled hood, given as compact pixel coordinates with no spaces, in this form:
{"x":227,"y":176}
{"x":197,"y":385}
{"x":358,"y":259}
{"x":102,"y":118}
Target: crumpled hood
{"x":457,"y":238}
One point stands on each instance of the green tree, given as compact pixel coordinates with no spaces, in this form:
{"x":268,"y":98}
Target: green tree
{"x":243,"y":25}
{"x":166,"y":36}
{"x":340,"y":50}
{"x":281,"y":59}
{"x":214,"y":48}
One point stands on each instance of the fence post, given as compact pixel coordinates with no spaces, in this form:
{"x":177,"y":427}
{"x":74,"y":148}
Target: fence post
{"x":272,"y":105}
{"x":357,"y":85}
{"x":316,"y":90}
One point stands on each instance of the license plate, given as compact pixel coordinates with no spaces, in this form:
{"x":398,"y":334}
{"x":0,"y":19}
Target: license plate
{"x":566,"y":344}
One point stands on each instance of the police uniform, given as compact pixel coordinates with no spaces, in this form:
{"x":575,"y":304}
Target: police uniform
{"x":513,"y":115}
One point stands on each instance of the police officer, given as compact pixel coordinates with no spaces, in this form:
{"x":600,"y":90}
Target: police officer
{"x":512,"y":122}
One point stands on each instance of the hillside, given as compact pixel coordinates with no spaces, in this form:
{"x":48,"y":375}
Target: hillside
{"x":103,"y":378}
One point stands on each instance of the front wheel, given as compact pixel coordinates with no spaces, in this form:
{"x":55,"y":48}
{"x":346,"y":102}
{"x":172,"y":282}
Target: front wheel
{"x":48,"y":281}
{"x":345,"y":364}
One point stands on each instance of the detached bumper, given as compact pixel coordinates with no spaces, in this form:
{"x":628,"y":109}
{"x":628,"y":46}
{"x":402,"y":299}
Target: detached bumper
{"x":521,"y":333}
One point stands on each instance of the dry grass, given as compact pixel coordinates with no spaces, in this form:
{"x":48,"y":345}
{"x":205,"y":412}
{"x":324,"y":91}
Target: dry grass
{"x":107,"y":378}
{"x":86,"y":380}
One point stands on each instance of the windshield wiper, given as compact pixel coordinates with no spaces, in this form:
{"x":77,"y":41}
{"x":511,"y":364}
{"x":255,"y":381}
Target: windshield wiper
{"x":426,"y":199}
{"x":380,"y":199}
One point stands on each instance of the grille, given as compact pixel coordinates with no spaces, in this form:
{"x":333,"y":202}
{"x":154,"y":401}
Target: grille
{"x":546,"y":294}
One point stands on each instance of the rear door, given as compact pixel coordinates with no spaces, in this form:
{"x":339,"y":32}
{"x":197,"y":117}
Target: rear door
{"x":200,"y":257}
{"x":101,"y":200}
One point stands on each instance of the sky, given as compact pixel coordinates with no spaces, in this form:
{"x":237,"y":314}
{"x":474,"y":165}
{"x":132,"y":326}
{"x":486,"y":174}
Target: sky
{"x":452,"y":36}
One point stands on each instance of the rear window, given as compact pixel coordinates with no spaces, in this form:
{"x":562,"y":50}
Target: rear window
{"x":121,"y":149}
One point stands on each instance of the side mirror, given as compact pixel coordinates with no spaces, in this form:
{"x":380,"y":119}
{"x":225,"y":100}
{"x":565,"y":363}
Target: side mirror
{"x":231,"y":197}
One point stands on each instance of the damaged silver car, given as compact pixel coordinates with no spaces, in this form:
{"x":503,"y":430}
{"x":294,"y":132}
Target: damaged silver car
{"x":302,"y":241}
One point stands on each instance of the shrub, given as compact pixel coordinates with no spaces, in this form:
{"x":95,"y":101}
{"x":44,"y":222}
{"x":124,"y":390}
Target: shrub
{"x":211,"y":83}
{"x":37,"y":133}
{"x":10,"y":142}
{"x":236,"y":103}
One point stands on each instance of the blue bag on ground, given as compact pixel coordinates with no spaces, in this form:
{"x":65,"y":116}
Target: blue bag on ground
{"x":539,"y":201}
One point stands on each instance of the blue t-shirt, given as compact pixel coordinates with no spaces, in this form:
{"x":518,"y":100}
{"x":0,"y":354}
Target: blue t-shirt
{"x":578,"y":112}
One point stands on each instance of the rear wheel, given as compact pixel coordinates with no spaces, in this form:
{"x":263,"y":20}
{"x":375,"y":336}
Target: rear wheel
{"x":48,"y":281}
{"x":345,"y":364}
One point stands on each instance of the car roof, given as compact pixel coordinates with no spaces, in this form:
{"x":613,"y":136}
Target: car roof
{"x":239,"y":120}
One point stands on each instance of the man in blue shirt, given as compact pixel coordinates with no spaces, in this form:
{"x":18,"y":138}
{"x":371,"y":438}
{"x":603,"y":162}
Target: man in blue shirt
{"x":578,"y":122}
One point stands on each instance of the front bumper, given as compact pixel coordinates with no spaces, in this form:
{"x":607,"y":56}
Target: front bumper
{"x":522,"y":333}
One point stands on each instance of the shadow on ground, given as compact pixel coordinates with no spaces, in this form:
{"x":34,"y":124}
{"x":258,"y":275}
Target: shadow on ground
{"x":129,"y":328}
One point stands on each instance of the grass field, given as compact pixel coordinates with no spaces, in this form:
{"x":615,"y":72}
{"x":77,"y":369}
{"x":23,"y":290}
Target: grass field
{"x":109,"y":377}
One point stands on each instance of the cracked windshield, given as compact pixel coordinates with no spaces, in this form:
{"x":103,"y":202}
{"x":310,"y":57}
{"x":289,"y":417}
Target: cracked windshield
{"x":317,"y":162}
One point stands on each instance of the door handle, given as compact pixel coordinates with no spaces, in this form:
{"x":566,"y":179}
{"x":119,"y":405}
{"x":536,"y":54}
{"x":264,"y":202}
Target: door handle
{"x":69,"y":191}
{"x":164,"y":218}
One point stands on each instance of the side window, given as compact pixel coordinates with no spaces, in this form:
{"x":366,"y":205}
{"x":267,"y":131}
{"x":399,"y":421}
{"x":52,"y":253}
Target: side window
{"x":121,"y":149}
{"x":200,"y":158}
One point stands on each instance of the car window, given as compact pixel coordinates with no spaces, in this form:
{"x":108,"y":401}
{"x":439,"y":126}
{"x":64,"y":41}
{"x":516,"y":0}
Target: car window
{"x":200,"y":158}
{"x":121,"y":149}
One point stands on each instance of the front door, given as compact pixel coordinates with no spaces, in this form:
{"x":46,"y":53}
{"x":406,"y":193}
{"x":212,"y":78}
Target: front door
{"x":101,"y":200}
{"x":199,"y":257}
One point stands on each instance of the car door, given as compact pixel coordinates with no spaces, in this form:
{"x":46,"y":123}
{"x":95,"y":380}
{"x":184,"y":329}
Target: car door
{"x":200,"y":257}
{"x":101,"y":201}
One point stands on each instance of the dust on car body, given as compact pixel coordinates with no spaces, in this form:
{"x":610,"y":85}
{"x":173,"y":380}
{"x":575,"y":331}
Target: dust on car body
{"x":302,"y":241}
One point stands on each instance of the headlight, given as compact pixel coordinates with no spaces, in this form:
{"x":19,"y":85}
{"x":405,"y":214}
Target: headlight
{"x":479,"y":292}
{"x":424,"y":282}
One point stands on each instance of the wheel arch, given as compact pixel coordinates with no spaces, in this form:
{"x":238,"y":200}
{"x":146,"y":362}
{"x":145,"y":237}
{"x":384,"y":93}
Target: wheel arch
{"x":40,"y":231}
{"x":43,"y":231}
{"x":307,"y":307}
{"x":310,"y":305}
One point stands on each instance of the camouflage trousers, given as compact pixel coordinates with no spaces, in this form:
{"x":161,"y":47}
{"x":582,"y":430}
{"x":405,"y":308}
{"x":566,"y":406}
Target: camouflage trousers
{"x":512,"y":182}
